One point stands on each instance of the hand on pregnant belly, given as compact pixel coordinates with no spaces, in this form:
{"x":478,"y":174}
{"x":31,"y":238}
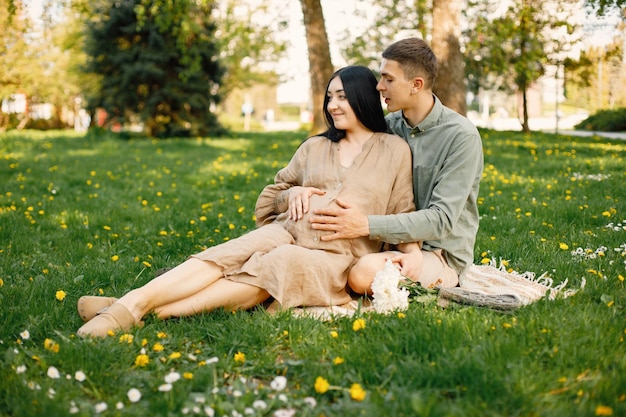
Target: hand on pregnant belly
{"x":300,"y":201}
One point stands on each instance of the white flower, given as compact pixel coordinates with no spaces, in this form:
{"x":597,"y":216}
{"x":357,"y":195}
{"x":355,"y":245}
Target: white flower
{"x":80,"y":376}
{"x":134,"y":395}
{"x":209,"y":411}
{"x":284,"y":412}
{"x":73,"y":408}
{"x":279,"y":383}
{"x":212,"y":360}
{"x":259,"y":404}
{"x":248,"y":411}
{"x":387,"y":296}
{"x":25,"y":335}
{"x":20,"y":369}
{"x":100,"y":407}
{"x":237,"y":393}
{"x":172,"y":377}
{"x":165,"y":387}
{"x":310,"y":401}
{"x":283,"y":398}
{"x":51,"y":393}
{"x":119,"y":405}
{"x":53,"y":373}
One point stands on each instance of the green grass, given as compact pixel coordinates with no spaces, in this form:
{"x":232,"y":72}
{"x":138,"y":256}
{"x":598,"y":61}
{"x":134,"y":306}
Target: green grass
{"x":89,"y":215}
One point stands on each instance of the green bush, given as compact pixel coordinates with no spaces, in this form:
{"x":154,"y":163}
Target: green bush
{"x":605,"y":121}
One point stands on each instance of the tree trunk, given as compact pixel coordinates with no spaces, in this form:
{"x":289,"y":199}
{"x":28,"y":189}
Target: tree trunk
{"x":320,"y":65}
{"x":525,"y":125}
{"x":450,"y":84}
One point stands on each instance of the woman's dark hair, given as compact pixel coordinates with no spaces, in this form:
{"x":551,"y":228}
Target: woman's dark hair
{"x":359,"y":86}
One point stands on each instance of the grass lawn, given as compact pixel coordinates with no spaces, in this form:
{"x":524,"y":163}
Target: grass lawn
{"x":88,"y":215}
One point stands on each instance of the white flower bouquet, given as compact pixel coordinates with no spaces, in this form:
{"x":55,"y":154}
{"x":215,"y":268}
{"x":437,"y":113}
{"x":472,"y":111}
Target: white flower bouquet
{"x":392,"y":291}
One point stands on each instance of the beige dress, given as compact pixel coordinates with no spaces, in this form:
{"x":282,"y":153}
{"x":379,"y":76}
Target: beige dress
{"x":287,"y":258}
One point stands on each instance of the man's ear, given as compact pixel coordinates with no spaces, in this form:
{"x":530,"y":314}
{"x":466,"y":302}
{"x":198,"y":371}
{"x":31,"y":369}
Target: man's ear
{"x":418,"y":84}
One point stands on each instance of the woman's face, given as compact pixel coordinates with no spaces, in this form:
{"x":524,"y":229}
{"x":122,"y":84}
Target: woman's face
{"x":339,"y":108}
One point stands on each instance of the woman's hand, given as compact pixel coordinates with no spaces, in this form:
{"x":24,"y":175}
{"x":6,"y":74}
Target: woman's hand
{"x":299,"y":201}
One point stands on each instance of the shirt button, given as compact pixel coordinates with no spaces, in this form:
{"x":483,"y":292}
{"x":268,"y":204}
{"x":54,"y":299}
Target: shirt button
{"x":315,"y":239}
{"x":339,"y":184}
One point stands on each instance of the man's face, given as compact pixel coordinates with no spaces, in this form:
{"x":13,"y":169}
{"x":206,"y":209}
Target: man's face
{"x":394,"y":87}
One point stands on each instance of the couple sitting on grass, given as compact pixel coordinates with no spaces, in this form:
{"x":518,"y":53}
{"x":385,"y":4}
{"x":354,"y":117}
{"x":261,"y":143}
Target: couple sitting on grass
{"x":322,"y":223}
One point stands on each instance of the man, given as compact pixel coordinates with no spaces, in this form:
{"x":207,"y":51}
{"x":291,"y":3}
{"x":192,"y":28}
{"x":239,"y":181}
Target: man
{"x":447,"y":168}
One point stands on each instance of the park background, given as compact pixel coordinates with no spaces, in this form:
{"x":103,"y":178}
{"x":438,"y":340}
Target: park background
{"x":97,"y":208}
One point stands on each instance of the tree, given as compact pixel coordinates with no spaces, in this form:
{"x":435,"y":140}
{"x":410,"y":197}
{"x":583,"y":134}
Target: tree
{"x":247,"y":45}
{"x":158,"y":64}
{"x":320,"y":64}
{"x":15,"y":56}
{"x":446,"y":32}
{"x":395,"y":16}
{"x":511,"y":51}
{"x":438,"y":19}
{"x":602,"y":6}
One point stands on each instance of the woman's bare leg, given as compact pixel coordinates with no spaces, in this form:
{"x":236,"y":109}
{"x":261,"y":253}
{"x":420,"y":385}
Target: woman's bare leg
{"x":222,"y":293}
{"x":179,"y":283}
{"x":362,"y":274}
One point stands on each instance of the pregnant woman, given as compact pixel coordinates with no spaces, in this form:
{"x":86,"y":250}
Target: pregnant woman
{"x":353,"y":162}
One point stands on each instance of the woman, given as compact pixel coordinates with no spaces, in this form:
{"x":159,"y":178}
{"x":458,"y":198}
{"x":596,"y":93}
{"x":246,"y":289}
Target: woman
{"x":354,"y":161}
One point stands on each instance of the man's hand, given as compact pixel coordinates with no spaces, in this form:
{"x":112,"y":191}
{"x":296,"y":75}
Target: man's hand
{"x":299,"y":200}
{"x":410,"y":264}
{"x":347,"y":222}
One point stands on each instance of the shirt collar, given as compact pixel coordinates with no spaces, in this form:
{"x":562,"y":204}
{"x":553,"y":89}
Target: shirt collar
{"x":430,"y":120}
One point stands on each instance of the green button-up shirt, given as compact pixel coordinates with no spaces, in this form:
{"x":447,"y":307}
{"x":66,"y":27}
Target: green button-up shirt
{"x":447,"y":168}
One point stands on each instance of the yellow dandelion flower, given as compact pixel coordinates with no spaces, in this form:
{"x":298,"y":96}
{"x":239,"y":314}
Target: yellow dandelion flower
{"x":157,"y":347}
{"x":563,"y":246}
{"x":161,"y":335}
{"x":60,"y":295}
{"x":321,"y":385}
{"x":142,"y":360}
{"x":401,"y":315}
{"x":147,"y":264}
{"x":2,"y":282}
{"x":358,"y":324}
{"x":485,"y":261}
{"x":126,"y":337}
{"x":507,"y":325}
{"x":51,"y":345}
{"x":240,"y":357}
{"x":334,"y":334}
{"x":175,"y":355}
{"x":357,"y":393}
{"x":115,"y":258}
{"x":106,"y":227}
{"x":338,"y":360}
{"x":620,"y":277}
{"x":603,"y":410}
{"x":188,"y":375}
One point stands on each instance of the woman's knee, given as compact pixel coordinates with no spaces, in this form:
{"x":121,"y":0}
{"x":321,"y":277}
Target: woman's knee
{"x":362,"y":274}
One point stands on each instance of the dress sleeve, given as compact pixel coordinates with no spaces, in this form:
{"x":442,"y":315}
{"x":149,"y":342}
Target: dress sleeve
{"x":401,"y":199}
{"x":268,"y":205}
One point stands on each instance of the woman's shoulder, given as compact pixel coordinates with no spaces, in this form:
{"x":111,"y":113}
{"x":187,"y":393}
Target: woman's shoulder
{"x":315,"y":142}
{"x":394,"y":141}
